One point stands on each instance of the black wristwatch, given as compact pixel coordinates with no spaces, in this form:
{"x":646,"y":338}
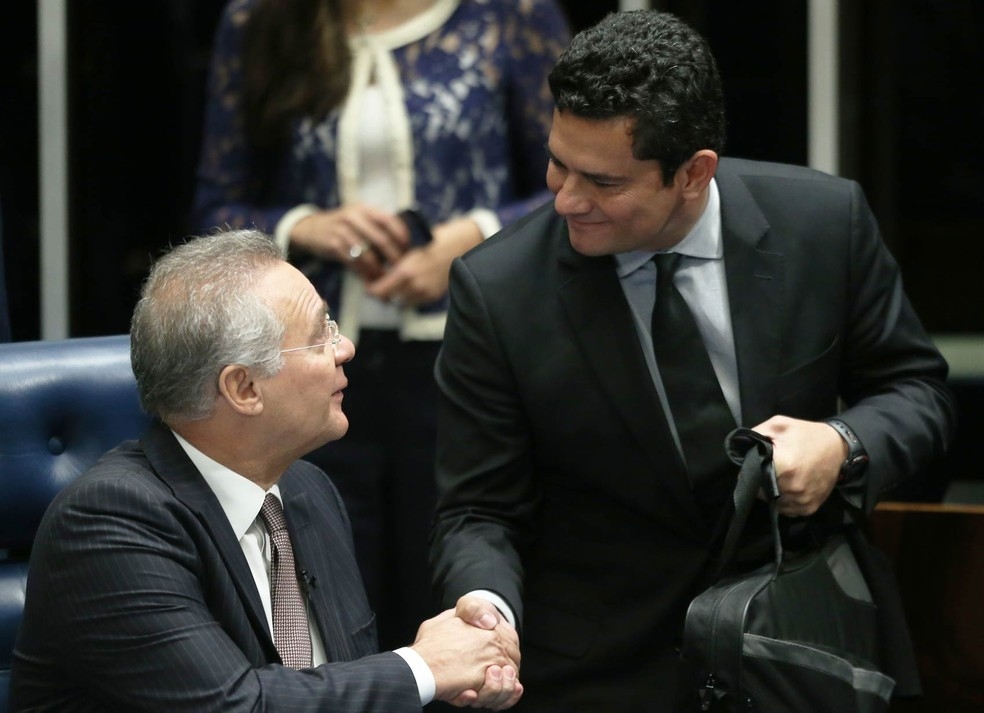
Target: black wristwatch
{"x":857,"y":456}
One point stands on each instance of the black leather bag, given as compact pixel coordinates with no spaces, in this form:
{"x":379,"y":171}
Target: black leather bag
{"x":797,"y":634}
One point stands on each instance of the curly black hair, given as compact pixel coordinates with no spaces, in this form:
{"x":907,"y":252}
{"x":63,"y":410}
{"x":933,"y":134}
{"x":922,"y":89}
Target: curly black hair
{"x":654,"y":68}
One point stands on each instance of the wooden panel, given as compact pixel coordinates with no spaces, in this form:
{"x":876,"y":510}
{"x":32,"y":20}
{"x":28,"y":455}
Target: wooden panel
{"x":938,"y":553}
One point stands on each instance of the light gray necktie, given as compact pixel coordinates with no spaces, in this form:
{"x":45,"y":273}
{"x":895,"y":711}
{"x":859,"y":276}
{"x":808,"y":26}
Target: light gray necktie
{"x":290,"y":623}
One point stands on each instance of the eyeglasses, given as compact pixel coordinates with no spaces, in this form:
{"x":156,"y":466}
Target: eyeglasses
{"x":332,"y":337}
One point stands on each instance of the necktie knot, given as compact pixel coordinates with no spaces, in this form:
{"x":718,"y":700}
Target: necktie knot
{"x":272,"y":513}
{"x":666,"y":266}
{"x":666,"y":263}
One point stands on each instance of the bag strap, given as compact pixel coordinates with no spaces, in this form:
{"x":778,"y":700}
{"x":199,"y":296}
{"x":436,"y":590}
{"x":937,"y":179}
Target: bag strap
{"x":753,"y":452}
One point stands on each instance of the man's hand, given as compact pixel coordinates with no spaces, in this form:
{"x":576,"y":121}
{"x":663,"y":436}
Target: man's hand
{"x":502,"y":688}
{"x":808,"y":457}
{"x":475,"y":662}
{"x":480,"y":612}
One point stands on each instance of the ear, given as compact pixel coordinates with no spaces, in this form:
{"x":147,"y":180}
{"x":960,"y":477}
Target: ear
{"x":697,"y":173}
{"x":240,"y":392}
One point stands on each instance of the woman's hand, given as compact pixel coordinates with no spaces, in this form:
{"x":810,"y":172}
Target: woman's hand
{"x":360,"y":236}
{"x":421,"y":275}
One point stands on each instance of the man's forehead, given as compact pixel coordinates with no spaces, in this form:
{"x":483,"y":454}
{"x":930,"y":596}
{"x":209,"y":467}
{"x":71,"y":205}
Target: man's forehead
{"x":287,"y":290}
{"x":596,"y":147}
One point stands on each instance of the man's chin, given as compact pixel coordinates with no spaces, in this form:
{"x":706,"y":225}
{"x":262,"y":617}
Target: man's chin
{"x":588,"y":242}
{"x":336,"y":428}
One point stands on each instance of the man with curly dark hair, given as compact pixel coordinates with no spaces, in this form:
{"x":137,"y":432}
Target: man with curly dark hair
{"x":582,"y":475}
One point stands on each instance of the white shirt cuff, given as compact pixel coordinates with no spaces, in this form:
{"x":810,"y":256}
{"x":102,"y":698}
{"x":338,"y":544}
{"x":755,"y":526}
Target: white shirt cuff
{"x":281,"y":234}
{"x":426,"y":685}
{"x":499,"y":603}
{"x":487,"y":221}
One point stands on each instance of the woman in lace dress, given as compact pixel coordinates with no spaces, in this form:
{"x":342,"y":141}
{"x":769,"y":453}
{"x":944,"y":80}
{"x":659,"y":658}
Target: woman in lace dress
{"x":327,"y":118}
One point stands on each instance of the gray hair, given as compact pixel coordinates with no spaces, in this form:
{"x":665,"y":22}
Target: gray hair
{"x":197,"y":313}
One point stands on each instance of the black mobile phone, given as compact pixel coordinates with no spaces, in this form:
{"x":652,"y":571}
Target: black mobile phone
{"x":420,"y":232}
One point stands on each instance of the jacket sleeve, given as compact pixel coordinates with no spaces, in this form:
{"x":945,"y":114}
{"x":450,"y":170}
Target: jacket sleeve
{"x":892,"y":379}
{"x":484,"y":468}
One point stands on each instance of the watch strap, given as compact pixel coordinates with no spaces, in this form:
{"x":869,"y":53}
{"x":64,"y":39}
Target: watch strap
{"x":857,"y":456}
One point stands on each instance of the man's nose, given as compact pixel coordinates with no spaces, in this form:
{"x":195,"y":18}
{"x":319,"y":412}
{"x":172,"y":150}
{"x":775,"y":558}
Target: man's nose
{"x":572,"y":199}
{"x":344,"y":350}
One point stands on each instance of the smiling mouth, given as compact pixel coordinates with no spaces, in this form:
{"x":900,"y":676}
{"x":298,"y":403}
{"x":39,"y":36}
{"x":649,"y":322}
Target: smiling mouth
{"x":586,"y":230}
{"x":584,"y":223}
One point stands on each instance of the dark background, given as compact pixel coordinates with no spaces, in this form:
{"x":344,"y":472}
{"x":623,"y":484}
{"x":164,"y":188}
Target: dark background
{"x":912,"y":109}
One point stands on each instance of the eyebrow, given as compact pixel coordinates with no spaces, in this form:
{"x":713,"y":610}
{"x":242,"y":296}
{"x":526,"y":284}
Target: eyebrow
{"x":602,"y":177}
{"x":319,"y":325}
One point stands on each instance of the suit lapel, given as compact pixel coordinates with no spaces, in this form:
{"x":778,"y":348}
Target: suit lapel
{"x":756,"y":282}
{"x":173,"y":466}
{"x":601,"y":322}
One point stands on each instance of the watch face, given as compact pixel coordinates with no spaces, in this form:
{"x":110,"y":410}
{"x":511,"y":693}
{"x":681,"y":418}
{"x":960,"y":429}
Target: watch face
{"x":854,"y":466}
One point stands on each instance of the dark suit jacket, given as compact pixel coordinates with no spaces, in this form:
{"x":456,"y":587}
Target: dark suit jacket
{"x":139,"y":597}
{"x":561,"y":488}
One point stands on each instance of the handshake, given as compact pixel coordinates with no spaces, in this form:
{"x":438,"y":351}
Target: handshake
{"x":473,"y":652}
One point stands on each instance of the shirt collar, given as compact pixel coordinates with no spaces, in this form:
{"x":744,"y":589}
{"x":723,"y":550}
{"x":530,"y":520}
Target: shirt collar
{"x":703,"y":240}
{"x":240,"y":498}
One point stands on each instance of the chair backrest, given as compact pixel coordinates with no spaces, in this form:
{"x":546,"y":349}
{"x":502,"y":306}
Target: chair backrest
{"x":4,"y":311}
{"x":62,"y":405}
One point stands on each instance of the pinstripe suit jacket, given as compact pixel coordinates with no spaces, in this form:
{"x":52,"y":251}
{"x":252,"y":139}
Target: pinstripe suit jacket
{"x":139,"y":598}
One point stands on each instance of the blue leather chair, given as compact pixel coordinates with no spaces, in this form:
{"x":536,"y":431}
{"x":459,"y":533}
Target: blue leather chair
{"x":4,"y":311}
{"x":62,"y":405}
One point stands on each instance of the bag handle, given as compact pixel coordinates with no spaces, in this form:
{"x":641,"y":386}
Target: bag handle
{"x":753,"y":452}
